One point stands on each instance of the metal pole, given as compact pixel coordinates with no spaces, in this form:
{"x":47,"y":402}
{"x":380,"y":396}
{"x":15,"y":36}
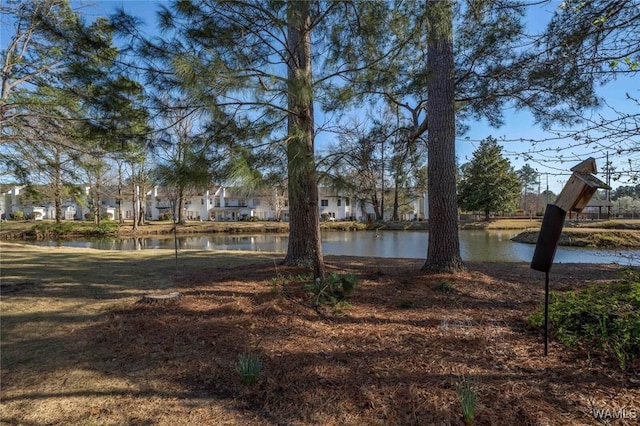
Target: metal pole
{"x":546,"y":313}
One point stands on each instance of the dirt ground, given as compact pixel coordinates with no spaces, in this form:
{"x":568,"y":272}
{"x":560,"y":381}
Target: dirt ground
{"x":395,"y":356}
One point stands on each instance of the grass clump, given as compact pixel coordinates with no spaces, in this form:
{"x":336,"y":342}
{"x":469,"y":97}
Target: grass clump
{"x":335,"y":289}
{"x":249,"y":367}
{"x":444,"y":287}
{"x":279,"y":283}
{"x":599,"y":319}
{"x":467,"y":391}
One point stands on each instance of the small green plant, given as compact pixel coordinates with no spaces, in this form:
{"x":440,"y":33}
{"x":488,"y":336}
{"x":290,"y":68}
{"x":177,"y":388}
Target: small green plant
{"x":304,"y":277}
{"x":444,"y":287}
{"x":341,"y":306}
{"x":106,"y":227}
{"x":279,"y":283}
{"x":336,"y":288}
{"x":276,"y":282}
{"x":602,"y":318}
{"x":249,"y":367}
{"x":17,"y":215}
{"x":467,"y":392}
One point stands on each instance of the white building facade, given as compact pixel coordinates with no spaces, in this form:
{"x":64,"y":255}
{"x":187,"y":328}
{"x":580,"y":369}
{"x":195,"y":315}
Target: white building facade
{"x":220,"y":204}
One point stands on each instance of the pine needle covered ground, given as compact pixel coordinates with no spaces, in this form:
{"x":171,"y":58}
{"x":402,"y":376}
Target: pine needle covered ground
{"x":79,"y":348}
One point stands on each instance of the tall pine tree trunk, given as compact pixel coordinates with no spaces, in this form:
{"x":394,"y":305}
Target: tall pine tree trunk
{"x":304,"y":246}
{"x":443,"y":252}
{"x":119,"y":200}
{"x":134,"y":198}
{"x":57,"y":185}
{"x":182,"y":220}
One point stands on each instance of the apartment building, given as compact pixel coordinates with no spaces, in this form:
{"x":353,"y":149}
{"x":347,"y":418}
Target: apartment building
{"x":220,"y":203}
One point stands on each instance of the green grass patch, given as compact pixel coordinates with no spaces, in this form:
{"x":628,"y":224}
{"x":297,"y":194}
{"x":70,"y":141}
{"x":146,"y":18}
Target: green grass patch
{"x":249,"y":367}
{"x":599,"y":319}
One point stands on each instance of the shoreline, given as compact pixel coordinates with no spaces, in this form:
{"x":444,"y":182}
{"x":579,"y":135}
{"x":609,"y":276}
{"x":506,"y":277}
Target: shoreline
{"x":587,"y":237}
{"x":607,"y":234}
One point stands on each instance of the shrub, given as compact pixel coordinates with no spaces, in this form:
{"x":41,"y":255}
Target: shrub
{"x":444,"y":287}
{"x":601,"y":318}
{"x":107,"y":227}
{"x":336,"y":288}
{"x":17,"y":215}
{"x":54,"y":229}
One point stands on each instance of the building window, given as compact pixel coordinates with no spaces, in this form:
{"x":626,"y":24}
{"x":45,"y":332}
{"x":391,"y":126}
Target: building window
{"x":324,"y":203}
{"x":339,"y":202}
{"x":346,"y":201}
{"x":202,"y":201}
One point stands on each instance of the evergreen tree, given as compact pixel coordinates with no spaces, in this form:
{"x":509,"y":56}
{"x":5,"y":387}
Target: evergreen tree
{"x":481,"y":52}
{"x":489,"y":183}
{"x":62,"y":100}
{"x":528,"y":178}
{"x":443,"y":251}
{"x":183,"y":167}
{"x":259,"y":63}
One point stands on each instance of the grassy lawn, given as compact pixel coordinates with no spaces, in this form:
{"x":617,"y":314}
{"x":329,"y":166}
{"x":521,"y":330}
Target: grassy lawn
{"x":79,"y":348}
{"x":15,"y":229}
{"x":514,"y":224}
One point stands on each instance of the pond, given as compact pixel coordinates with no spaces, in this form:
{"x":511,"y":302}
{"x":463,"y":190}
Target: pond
{"x":475,"y":245}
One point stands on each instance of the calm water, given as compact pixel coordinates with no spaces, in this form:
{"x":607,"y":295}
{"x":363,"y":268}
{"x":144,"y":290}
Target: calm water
{"x":475,"y":246}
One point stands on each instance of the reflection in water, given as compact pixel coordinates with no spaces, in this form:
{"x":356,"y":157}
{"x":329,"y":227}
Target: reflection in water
{"x":476,"y":245}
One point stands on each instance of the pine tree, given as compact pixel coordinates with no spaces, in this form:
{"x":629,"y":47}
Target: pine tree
{"x":489,"y":183}
{"x":257,"y":63}
{"x":480,"y":51}
{"x":528,"y":178}
{"x":443,"y":251}
{"x":61,"y":100}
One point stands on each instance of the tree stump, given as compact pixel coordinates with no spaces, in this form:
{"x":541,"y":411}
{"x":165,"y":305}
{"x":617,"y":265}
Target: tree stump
{"x":161,"y":299}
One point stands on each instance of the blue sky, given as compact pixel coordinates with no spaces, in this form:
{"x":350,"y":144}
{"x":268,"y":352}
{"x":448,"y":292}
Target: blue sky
{"x":518,"y":125}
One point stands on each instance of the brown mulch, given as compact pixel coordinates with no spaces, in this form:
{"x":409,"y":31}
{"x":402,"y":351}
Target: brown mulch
{"x":395,"y":356}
